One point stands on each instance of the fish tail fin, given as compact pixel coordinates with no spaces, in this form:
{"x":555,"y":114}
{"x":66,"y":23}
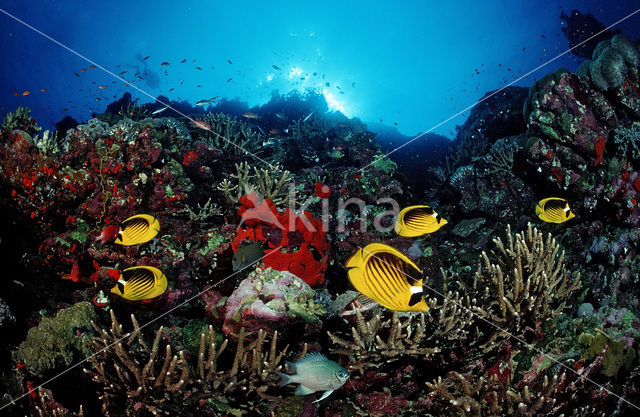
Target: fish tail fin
{"x":284,"y":379}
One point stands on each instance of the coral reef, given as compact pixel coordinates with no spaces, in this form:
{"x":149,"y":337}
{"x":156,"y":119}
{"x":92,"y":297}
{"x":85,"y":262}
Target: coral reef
{"x":21,"y":119}
{"x":613,"y":61}
{"x":262,"y":181}
{"x":6,"y":317}
{"x":539,"y":322}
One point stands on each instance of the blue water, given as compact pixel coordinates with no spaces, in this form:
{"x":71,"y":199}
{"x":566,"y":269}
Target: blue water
{"x":414,"y":64}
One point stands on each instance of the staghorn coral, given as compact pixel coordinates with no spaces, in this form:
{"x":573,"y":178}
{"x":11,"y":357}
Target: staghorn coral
{"x":263,"y":181}
{"x":230,"y":135}
{"x":46,"y":406}
{"x":472,"y":397}
{"x":138,"y":372}
{"x":204,"y":212}
{"x":377,"y":342}
{"x":525,"y":283}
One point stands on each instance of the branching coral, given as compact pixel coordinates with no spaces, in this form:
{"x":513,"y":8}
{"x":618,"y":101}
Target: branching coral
{"x":263,"y":181}
{"x":230,"y":135}
{"x":48,"y":143}
{"x":487,"y":396}
{"x":204,"y":212}
{"x":138,"y":372}
{"x":376,"y":342}
{"x":500,"y":159}
{"x":46,"y":406}
{"x":628,"y":140}
{"x":525,"y":283}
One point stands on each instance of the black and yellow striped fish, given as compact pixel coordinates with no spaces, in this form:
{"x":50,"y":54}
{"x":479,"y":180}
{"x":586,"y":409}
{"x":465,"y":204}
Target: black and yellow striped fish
{"x":388,"y":277}
{"x":418,"y":220}
{"x":137,"y":229}
{"x":554,"y":210}
{"x":140,"y":283}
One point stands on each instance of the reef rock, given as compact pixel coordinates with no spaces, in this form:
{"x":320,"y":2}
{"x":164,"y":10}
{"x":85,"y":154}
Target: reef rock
{"x":269,"y":299}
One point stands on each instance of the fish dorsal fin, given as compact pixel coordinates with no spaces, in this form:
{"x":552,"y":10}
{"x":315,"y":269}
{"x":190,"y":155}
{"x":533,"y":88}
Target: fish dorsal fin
{"x":139,"y":273}
{"x":380,"y":249}
{"x":312,"y":357}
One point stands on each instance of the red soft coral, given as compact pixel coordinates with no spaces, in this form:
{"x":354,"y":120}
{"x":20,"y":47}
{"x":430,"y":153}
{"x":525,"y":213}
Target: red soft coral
{"x":297,"y":243}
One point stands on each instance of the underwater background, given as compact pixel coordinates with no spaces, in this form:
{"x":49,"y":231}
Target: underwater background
{"x":322,"y":209}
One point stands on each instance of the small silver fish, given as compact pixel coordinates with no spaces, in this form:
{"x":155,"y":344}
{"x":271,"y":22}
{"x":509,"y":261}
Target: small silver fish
{"x":250,"y":115}
{"x":307,"y":118}
{"x":205,"y":102}
{"x":159,"y":110}
{"x":314,"y":372}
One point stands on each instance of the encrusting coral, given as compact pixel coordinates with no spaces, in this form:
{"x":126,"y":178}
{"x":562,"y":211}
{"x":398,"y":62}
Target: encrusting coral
{"x":139,"y":372}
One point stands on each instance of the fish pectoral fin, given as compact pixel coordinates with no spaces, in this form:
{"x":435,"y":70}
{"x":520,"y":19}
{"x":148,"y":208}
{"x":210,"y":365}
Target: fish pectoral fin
{"x":325,"y":395}
{"x":302,"y":390}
